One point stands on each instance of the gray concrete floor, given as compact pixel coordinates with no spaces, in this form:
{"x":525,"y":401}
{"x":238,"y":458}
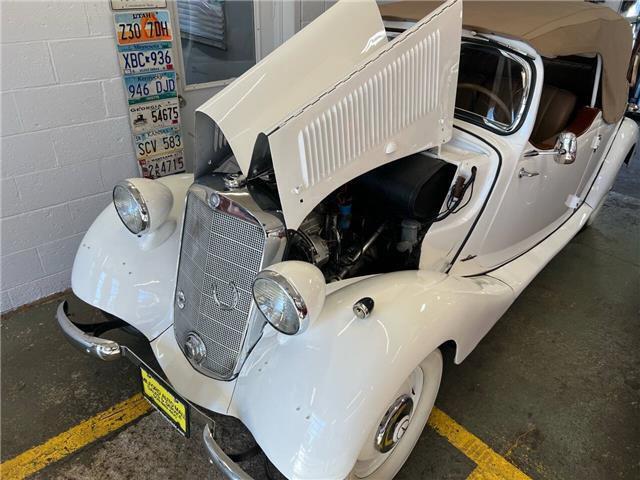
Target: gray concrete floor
{"x":554,"y":387}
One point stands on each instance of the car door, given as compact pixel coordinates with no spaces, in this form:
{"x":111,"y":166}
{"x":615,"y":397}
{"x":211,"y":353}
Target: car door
{"x":542,"y":193}
{"x":558,"y":188}
{"x":540,"y":197}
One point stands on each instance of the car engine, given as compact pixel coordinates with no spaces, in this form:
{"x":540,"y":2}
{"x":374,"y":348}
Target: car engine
{"x":376,"y":222}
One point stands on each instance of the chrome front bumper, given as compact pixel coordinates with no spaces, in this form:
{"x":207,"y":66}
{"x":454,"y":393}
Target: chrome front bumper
{"x":108,"y":350}
{"x":221,"y":460}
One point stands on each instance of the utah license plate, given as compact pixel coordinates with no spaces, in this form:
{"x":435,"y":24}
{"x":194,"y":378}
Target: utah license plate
{"x":143,"y":27}
{"x":154,"y":115}
{"x":150,"y":86}
{"x":157,"y":142}
{"x":166,"y":401}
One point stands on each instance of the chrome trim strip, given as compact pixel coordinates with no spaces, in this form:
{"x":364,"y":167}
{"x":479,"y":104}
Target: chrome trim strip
{"x":97,"y":347}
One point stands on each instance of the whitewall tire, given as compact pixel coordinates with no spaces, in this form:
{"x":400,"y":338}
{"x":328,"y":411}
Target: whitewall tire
{"x":399,"y":427}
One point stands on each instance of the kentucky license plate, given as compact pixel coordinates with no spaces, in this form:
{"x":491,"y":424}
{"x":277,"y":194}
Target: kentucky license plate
{"x":163,"y":165}
{"x":150,"y":86}
{"x":166,"y":401}
{"x":157,"y":142}
{"x":146,"y":58}
{"x":154,"y":115}
{"x":143,"y":27}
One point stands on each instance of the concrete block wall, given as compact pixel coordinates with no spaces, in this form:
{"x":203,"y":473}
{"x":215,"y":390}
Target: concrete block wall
{"x":65,"y":138}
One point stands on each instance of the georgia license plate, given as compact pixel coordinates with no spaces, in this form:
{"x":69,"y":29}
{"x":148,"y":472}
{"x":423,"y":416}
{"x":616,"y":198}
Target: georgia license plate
{"x":150,"y":86}
{"x":163,"y":165}
{"x":157,"y":142}
{"x":143,"y":27}
{"x":166,"y":401}
{"x":154,"y":115}
{"x":149,"y":57}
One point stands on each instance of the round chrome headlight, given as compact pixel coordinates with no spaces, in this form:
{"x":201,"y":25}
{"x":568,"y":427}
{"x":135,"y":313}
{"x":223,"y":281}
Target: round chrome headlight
{"x":280,"y":303}
{"x":142,"y":204}
{"x":131,"y":207}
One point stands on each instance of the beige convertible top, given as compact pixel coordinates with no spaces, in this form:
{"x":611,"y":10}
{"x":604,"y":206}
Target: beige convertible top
{"x":553,"y":29}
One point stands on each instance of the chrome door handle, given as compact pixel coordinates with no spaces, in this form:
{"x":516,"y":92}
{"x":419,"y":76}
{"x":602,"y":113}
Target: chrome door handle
{"x":524,"y":173}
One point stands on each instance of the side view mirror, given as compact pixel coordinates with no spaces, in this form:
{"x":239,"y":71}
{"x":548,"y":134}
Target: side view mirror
{"x":566,"y":148}
{"x":564,"y":151}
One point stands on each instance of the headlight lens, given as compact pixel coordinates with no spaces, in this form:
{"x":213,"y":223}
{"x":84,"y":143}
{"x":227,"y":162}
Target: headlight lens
{"x":131,"y":207}
{"x":280,"y":303}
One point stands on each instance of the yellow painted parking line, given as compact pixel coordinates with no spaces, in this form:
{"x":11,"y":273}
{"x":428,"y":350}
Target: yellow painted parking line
{"x":76,"y":437}
{"x":490,"y":465}
{"x":480,"y":474}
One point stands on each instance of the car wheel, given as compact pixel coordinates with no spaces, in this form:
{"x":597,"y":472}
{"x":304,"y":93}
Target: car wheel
{"x":390,"y":443}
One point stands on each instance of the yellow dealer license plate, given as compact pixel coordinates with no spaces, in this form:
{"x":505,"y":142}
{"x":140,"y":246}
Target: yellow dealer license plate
{"x":165,"y":400}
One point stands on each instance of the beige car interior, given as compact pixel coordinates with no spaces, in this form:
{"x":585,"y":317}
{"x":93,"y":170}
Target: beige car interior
{"x":565,"y":103}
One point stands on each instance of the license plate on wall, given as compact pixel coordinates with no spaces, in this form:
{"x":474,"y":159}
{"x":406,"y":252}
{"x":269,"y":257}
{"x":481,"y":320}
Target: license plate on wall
{"x":158,"y":142}
{"x":150,"y":86}
{"x":143,"y":27}
{"x":163,"y":165}
{"x":146,"y":58}
{"x":154,"y":115}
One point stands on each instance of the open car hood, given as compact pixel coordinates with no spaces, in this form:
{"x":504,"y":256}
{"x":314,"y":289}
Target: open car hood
{"x":338,"y":100}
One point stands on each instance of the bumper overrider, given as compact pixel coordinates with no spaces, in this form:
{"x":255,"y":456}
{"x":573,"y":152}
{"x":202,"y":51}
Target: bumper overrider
{"x":109,"y":350}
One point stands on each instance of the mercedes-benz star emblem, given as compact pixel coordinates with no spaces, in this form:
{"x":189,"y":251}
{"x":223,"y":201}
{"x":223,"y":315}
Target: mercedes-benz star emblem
{"x":224,"y":291}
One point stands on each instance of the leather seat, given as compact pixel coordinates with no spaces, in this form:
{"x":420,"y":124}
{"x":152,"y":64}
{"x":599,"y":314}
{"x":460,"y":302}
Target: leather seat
{"x":555,"y":111}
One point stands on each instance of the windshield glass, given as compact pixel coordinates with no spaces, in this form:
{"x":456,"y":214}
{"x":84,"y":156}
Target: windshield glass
{"x":492,"y":86}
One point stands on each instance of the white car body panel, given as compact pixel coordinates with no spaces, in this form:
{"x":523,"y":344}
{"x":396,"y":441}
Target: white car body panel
{"x":310,"y":400}
{"x":290,"y":77}
{"x":318,"y":417}
{"x":445,"y":238}
{"x":521,"y":271}
{"x":369,"y":119}
{"x":116,"y":272}
{"x":205,"y":391}
{"x":623,"y":142}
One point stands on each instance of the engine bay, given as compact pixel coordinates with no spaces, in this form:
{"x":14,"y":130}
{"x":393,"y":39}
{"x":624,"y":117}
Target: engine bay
{"x":376,"y":222}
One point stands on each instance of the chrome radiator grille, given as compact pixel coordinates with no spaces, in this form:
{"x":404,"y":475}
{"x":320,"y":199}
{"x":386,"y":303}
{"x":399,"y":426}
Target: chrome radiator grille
{"x":220,"y":257}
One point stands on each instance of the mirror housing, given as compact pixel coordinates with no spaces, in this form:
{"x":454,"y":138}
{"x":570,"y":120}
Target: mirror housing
{"x":566,"y":148}
{"x":564,"y":152}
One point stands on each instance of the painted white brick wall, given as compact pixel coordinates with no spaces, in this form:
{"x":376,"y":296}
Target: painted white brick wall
{"x":65,"y":138}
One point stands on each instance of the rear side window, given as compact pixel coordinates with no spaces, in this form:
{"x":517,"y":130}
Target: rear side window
{"x":493,"y":87}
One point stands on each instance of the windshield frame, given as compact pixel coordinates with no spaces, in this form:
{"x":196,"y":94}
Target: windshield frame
{"x":528,"y":67}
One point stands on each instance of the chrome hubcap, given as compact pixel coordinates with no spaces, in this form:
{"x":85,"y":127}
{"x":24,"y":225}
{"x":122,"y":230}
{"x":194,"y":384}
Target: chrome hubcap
{"x":394,"y":424}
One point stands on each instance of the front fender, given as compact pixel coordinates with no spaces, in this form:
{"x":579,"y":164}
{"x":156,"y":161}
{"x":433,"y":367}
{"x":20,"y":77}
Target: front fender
{"x":117,"y":272}
{"x":311,"y":400}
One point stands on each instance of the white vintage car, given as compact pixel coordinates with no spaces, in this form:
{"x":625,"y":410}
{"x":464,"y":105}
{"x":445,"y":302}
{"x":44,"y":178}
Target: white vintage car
{"x":386,"y":182}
